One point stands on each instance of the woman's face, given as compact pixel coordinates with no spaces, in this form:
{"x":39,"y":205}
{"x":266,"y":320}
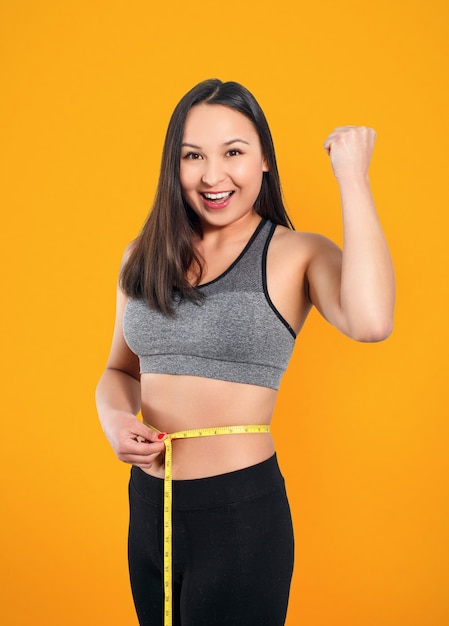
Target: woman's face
{"x":222,"y":164}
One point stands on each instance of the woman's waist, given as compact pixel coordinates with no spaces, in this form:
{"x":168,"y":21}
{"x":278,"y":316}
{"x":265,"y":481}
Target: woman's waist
{"x":200,"y":453}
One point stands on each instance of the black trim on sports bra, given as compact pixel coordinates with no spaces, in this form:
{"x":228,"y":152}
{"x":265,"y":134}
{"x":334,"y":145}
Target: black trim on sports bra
{"x":264,"y":282}
{"x":240,"y":256}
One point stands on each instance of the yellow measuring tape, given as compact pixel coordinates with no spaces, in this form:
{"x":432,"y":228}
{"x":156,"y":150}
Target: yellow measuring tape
{"x":168,"y":495}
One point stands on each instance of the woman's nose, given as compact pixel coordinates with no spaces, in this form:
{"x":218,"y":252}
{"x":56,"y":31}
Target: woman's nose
{"x":213,"y":172}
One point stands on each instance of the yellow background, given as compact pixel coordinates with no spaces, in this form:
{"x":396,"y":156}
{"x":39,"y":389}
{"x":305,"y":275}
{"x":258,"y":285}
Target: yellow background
{"x":362,"y":430}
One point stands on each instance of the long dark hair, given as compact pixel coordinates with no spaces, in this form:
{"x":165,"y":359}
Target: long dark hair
{"x":164,"y":252}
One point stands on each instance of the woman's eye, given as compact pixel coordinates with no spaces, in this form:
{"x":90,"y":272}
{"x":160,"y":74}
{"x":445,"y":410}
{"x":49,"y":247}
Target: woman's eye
{"x":193,"y":156}
{"x":233,"y":152}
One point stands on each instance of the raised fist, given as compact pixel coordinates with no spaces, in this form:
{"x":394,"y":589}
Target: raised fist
{"x":350,"y":149}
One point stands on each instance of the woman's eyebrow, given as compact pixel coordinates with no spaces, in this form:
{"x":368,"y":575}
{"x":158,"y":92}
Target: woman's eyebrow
{"x":226,"y":143}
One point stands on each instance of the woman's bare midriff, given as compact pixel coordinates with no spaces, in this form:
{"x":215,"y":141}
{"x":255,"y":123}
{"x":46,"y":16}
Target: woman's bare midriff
{"x":174,"y":403}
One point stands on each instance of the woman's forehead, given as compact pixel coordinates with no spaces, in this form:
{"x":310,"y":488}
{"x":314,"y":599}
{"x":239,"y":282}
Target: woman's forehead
{"x":215,"y":122}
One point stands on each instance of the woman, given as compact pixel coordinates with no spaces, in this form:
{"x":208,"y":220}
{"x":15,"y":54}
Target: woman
{"x":211,"y":297}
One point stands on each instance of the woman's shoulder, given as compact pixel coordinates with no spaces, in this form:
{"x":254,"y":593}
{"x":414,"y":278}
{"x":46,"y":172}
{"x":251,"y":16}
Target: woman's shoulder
{"x":300,"y":245}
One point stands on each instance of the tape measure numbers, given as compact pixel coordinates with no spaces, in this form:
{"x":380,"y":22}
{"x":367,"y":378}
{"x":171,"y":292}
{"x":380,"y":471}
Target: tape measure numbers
{"x":168,"y":495}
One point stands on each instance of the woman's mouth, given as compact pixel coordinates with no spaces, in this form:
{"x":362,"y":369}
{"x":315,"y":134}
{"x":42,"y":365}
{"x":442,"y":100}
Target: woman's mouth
{"x":218,"y":200}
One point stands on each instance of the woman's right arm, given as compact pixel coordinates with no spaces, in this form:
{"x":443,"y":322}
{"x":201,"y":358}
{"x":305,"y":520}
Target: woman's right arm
{"x":118,"y":402}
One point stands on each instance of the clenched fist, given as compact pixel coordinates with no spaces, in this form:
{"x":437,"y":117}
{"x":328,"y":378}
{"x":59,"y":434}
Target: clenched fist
{"x":350,"y":149}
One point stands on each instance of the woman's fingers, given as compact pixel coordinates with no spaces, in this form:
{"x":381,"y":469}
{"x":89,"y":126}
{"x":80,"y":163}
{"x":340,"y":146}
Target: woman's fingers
{"x":134,"y":441}
{"x":130,"y":446}
{"x":144,"y":433}
{"x":350,"y":149}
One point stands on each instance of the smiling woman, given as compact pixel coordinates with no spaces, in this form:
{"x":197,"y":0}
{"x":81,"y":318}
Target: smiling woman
{"x":211,"y":297}
{"x":227,"y":167}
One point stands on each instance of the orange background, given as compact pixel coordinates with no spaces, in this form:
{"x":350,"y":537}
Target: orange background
{"x":362,"y":430}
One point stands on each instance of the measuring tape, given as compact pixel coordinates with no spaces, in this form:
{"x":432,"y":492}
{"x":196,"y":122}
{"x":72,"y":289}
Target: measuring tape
{"x":168,"y":495}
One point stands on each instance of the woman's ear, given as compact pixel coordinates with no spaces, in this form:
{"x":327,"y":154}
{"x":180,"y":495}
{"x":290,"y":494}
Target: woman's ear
{"x":265,"y":167}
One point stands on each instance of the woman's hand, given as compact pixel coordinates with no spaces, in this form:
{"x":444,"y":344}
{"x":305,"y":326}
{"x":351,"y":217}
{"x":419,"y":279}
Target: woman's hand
{"x":132,"y":441}
{"x":350,"y":149}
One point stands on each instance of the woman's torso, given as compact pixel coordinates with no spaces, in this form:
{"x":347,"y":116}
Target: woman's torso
{"x":172,"y":403}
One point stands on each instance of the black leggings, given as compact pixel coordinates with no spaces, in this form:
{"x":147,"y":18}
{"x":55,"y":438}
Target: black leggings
{"x":232,"y":548}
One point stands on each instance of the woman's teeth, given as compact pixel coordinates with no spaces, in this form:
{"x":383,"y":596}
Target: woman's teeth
{"x":217,"y":196}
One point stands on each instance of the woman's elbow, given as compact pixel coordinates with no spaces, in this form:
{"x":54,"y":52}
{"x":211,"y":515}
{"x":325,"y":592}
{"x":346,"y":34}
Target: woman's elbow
{"x":376,"y":331}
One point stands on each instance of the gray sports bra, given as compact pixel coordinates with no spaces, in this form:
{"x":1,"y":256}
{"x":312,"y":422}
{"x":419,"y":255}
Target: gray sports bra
{"x":234,"y":334}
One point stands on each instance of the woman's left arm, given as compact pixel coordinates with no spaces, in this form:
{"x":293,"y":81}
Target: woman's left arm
{"x":354,"y":288}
